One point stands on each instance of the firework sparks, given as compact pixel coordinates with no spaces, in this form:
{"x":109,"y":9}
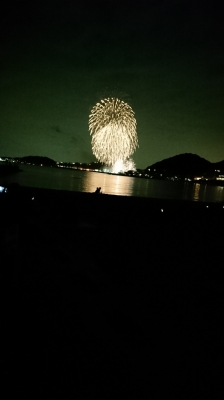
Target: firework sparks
{"x":123,"y":166}
{"x":113,"y":128}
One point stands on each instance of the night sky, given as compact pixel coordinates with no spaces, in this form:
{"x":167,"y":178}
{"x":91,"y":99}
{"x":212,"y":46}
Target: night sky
{"x":165,"y":58}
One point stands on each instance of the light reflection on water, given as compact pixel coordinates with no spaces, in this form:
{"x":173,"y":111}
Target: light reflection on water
{"x":201,"y":192}
{"x":196,"y":191}
{"x":73,"y":180}
{"x":110,"y":184}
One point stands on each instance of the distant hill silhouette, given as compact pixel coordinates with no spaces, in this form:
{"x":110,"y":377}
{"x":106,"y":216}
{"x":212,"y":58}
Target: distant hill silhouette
{"x":37,"y":160}
{"x":181,"y":164}
{"x":219,"y":165}
{"x":186,"y":164}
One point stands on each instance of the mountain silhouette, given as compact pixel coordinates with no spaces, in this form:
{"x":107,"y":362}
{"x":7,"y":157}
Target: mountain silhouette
{"x":37,"y":160}
{"x":184,"y":164}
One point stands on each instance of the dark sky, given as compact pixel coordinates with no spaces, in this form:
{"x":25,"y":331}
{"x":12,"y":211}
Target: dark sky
{"x":165,"y":58}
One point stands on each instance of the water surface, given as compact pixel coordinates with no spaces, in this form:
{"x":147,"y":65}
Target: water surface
{"x":83,"y":181}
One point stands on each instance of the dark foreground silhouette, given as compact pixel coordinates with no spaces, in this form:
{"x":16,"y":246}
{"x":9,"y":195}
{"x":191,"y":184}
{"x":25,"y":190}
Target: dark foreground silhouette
{"x":98,"y":190}
{"x":107,"y":297}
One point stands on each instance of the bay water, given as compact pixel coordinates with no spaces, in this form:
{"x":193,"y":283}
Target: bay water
{"x":84,"y":181}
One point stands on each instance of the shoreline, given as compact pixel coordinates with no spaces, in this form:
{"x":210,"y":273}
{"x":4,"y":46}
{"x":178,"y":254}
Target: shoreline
{"x":105,"y":211}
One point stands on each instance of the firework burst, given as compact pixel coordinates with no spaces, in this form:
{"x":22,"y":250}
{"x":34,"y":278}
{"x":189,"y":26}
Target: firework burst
{"x":113,"y":128}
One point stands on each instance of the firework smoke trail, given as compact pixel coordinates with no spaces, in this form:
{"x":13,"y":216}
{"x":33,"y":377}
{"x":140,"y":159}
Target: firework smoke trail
{"x":113,"y":128}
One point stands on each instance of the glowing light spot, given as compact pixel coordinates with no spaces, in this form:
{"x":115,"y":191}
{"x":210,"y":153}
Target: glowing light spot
{"x":123,"y":166}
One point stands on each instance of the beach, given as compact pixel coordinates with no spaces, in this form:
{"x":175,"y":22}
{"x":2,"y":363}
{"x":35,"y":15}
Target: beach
{"x":108,"y":296}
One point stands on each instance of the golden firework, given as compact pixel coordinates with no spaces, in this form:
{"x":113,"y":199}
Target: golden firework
{"x":113,"y":128}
